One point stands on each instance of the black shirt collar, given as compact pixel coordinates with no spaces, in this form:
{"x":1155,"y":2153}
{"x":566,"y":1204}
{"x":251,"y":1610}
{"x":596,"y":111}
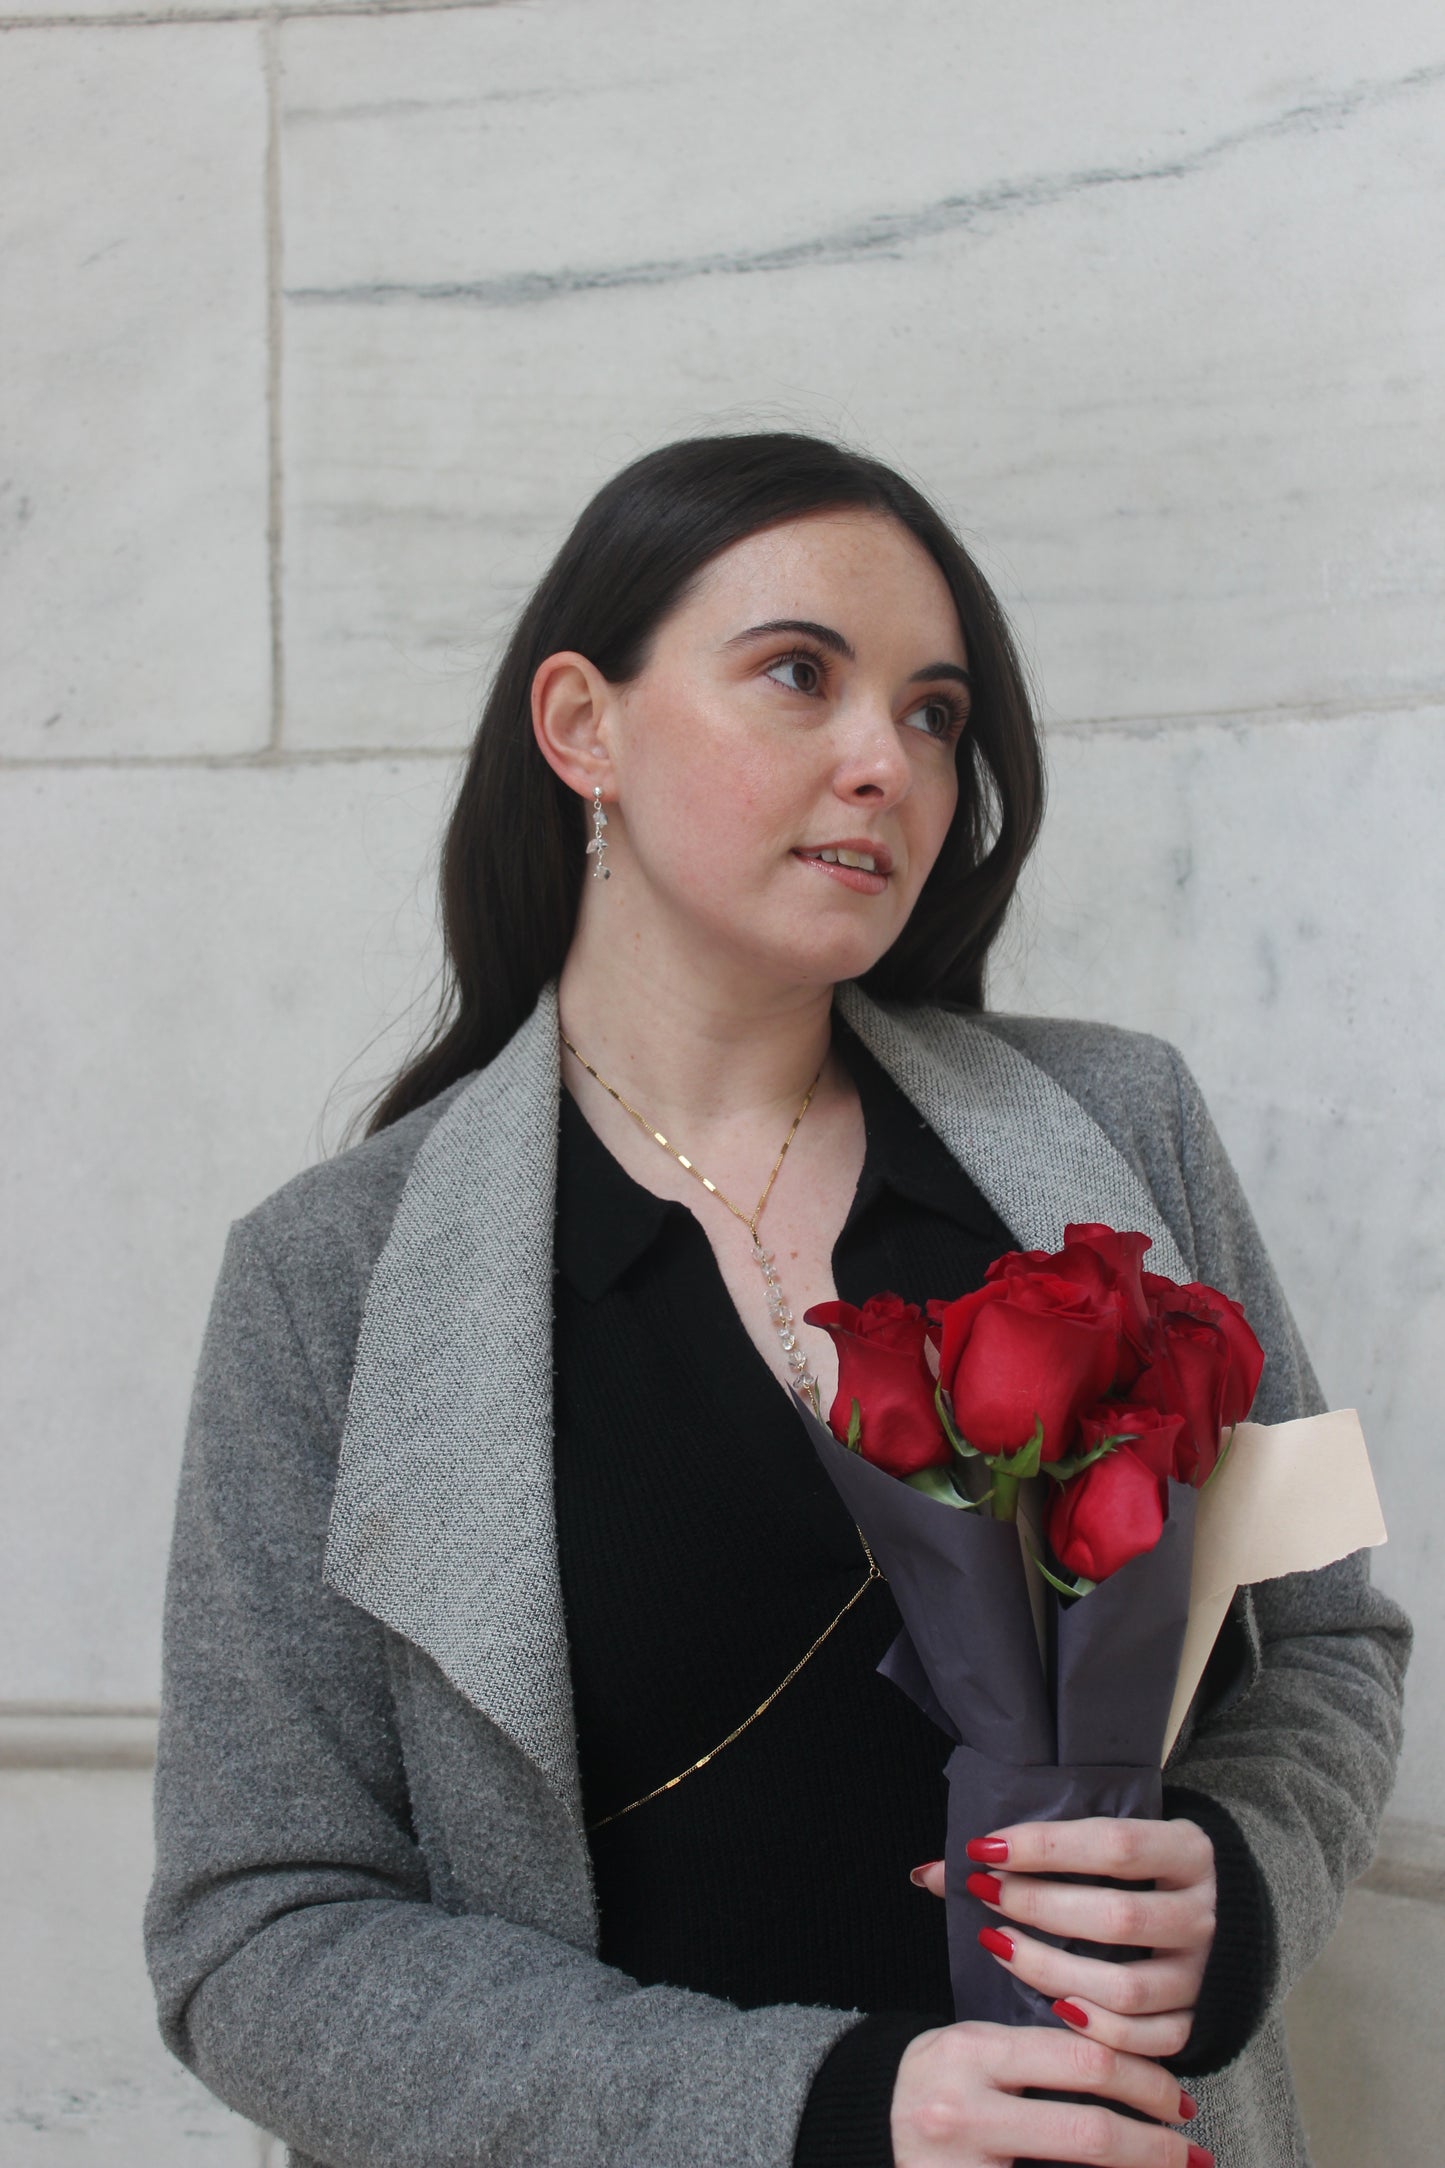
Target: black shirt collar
{"x":606,"y":1221}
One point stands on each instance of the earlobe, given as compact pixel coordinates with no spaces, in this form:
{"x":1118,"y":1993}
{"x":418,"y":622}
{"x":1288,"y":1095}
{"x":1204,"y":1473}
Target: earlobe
{"x":570,"y":697}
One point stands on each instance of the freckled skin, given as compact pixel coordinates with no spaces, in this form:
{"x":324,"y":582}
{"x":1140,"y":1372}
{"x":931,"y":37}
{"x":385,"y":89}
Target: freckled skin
{"x":724,"y":769}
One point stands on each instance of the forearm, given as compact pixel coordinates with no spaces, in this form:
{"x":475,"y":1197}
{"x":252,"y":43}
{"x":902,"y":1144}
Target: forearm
{"x":381,"y":2034}
{"x":1305,"y":1760}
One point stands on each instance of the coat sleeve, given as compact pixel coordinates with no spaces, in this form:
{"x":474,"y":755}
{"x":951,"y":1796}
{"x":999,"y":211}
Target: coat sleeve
{"x":303,"y":1966}
{"x":1303,"y":1762}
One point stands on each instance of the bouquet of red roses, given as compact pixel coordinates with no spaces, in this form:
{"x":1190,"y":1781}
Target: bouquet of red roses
{"x":1066,"y":1413}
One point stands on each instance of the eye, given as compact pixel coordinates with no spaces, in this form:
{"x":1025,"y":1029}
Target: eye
{"x":808,"y":671}
{"x":942,"y":717}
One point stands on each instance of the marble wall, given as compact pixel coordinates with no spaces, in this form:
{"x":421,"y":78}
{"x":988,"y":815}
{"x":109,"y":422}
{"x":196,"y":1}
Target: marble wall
{"x":322,"y":321}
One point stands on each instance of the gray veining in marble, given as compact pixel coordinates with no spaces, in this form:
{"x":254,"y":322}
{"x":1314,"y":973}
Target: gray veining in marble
{"x":1185,"y":404}
{"x":890,"y":233}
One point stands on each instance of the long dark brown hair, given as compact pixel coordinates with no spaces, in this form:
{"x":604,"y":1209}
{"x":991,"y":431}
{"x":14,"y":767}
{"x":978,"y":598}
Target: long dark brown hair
{"x":513,"y":860}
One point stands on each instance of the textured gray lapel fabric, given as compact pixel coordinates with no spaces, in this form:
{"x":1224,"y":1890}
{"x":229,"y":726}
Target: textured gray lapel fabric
{"x":443,"y":1525}
{"x":1038,"y":1157}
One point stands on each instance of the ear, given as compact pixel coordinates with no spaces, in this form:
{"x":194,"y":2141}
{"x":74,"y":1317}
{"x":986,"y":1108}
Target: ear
{"x":570,"y":704}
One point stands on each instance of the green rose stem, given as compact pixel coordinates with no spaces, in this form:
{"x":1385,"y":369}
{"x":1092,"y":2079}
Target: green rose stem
{"x":1006,"y":1470}
{"x":1005,"y":1502}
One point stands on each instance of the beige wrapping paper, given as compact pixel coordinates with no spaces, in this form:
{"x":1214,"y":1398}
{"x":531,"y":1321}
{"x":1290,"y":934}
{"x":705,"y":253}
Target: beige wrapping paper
{"x":1288,"y":1498}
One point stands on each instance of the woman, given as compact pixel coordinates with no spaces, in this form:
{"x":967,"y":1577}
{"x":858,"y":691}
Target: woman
{"x":527,"y":1793}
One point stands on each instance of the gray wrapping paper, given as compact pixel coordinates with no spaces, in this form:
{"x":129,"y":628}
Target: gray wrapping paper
{"x":1077,"y":1734}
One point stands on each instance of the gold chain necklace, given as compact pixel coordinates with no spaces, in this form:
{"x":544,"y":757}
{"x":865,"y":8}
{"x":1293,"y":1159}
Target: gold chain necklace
{"x":804,"y":1383}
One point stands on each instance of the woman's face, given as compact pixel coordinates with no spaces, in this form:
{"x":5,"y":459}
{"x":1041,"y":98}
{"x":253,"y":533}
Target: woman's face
{"x":807,"y":697}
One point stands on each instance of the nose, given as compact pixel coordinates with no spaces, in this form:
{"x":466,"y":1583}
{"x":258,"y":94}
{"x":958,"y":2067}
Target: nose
{"x":873,"y":766}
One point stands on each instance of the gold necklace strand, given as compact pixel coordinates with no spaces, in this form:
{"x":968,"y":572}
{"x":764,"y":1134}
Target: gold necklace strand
{"x":804,"y":1381}
{"x":875,"y":1573}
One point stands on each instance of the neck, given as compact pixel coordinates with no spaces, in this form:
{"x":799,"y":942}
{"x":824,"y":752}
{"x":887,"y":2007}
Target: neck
{"x":692,"y":1044}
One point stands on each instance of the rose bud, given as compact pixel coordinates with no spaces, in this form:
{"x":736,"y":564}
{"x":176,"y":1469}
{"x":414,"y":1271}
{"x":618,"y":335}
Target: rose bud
{"x":1120,"y":1258}
{"x":1108,"y":1515}
{"x":882,"y":1366}
{"x":1153,"y":1436}
{"x":1030,"y":1346}
{"x":1206,"y":1367}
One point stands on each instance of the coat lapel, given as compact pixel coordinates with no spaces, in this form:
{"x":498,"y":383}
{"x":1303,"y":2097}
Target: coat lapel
{"x":1038,"y":1156}
{"x":443,"y":1523}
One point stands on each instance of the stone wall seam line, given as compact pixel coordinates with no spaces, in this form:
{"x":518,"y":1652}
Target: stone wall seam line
{"x":262,"y":758}
{"x":300,"y":10}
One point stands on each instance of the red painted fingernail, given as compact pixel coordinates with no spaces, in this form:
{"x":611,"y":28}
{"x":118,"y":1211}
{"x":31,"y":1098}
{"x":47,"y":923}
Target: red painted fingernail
{"x":1198,"y":2158}
{"x":986,"y":1886}
{"x":999,"y":1945}
{"x":1070,"y":2013}
{"x":917,"y":1874}
{"x":1188,"y":2108}
{"x":990,"y":1851}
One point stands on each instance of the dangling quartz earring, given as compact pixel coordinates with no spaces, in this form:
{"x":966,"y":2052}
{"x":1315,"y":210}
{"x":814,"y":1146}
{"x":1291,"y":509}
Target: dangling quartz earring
{"x":597,"y":848}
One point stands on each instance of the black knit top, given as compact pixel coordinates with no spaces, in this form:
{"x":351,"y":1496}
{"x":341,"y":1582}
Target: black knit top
{"x":702,"y":1552}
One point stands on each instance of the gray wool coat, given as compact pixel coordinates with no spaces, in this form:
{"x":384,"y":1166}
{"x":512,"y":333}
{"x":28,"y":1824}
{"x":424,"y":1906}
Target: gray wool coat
{"x":372,"y":1928}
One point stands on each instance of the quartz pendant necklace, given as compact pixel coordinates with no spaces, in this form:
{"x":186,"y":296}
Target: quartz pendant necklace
{"x":804,"y":1382}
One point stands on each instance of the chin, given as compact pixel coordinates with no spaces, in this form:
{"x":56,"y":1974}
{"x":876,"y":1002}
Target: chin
{"x":796,"y":948}
{"x":826,"y":962}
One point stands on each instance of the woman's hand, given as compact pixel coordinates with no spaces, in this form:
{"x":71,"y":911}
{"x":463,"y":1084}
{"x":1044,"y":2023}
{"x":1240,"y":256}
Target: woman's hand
{"x":957,"y":2102}
{"x":1145,"y":2007}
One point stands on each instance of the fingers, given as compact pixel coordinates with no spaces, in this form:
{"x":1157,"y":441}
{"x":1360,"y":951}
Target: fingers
{"x":1030,"y":2056}
{"x":961,"y":2097}
{"x":1148,"y":1987}
{"x":1181,"y":1919}
{"x":1086,"y":2133}
{"x":1080,"y":2131}
{"x":1161,"y":2035}
{"x":1127,"y":1848}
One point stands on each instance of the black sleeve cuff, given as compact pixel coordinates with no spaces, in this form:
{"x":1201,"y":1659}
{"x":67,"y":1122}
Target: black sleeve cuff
{"x":1238,"y":1978}
{"x":846,"y":2115}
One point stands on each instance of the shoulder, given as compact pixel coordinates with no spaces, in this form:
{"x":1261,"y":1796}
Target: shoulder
{"x":349,"y":1202}
{"x":1128,"y":1080}
{"x":317,"y":1238}
{"x":1136,"y":1089}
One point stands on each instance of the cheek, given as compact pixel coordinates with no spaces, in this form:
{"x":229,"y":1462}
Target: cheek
{"x":936,"y":808}
{"x":699,"y":795}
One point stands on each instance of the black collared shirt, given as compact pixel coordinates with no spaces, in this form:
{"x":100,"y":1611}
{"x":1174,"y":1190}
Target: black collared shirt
{"x":703,"y":1550}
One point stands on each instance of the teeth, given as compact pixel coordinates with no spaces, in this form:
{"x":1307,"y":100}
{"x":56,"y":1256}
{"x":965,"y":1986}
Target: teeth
{"x":858,"y":859}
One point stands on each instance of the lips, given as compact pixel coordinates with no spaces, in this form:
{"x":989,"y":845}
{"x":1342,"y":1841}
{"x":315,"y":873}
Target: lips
{"x":857,"y":852}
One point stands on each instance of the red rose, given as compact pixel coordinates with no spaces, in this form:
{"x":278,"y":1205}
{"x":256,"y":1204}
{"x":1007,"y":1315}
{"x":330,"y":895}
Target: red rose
{"x":1118,"y":1259}
{"x":881,"y":1365}
{"x":1031,"y":1346}
{"x":1153,"y":1437}
{"x":1107,"y":1515}
{"x":1206,"y":1367}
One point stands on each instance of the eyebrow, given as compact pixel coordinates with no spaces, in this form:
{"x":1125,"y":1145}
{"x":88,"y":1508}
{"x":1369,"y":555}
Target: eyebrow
{"x":827,"y":637}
